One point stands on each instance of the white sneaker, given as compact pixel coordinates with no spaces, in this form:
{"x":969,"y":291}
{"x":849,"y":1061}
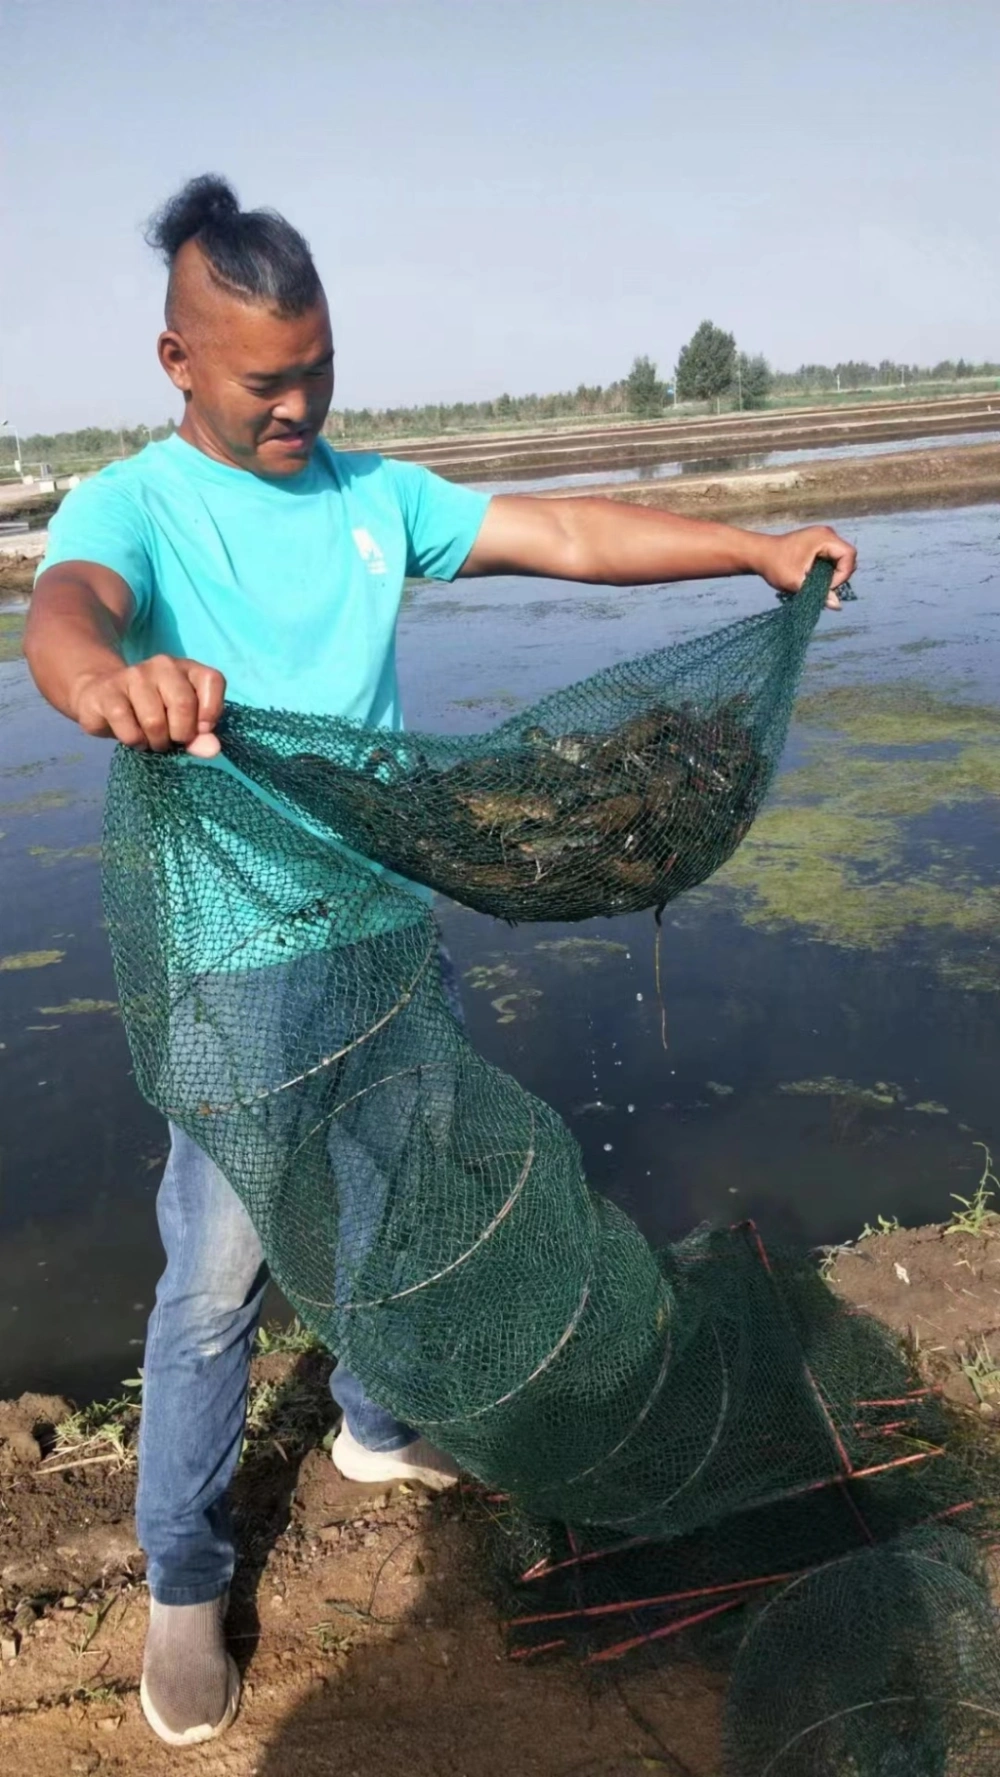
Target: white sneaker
{"x":418,"y":1461}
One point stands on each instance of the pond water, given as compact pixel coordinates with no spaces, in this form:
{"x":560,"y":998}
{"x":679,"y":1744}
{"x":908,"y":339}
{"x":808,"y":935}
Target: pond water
{"x":533,"y":482}
{"x":822,"y":1050}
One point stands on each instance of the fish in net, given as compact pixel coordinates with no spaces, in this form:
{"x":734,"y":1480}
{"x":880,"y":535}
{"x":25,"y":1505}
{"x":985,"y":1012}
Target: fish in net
{"x":699,"y":1427}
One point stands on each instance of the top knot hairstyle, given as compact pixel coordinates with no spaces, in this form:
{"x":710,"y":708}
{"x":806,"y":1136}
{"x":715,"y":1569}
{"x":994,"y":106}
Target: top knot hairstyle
{"x":253,"y":254}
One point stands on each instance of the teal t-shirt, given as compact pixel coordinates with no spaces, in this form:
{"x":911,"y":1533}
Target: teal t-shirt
{"x":291,"y":589}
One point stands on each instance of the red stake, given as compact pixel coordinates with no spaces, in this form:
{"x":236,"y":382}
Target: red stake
{"x":625,"y":1647}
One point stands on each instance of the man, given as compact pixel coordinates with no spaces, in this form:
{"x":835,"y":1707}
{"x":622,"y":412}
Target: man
{"x":244,"y":556}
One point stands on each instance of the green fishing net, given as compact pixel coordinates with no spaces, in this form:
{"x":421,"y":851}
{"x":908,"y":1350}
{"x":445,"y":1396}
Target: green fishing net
{"x":678,"y":1437}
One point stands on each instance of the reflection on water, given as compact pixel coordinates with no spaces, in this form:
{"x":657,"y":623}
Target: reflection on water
{"x":829,"y":1006}
{"x":656,"y":469}
{"x":723,"y":465}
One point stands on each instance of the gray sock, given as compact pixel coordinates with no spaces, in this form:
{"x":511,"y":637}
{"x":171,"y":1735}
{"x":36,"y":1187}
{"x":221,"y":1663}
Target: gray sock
{"x":189,"y":1683}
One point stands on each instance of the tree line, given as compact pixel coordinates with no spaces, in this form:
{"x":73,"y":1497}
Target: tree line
{"x":710,"y":368}
{"x":859,"y":374}
{"x":87,"y":445}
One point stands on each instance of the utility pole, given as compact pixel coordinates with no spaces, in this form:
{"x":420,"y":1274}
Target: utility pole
{"x":739,"y":381}
{"x":17,"y":446}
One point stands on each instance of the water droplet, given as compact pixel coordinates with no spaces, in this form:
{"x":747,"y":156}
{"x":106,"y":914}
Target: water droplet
{"x":631,"y":1107}
{"x":608,"y":1147}
{"x":638,"y":996}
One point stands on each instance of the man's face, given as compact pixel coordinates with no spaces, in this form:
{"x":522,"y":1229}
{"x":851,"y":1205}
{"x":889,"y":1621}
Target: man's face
{"x":257,"y":385}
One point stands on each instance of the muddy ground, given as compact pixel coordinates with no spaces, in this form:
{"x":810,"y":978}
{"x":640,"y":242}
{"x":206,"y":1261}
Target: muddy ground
{"x":363,"y":1619}
{"x":17,"y":574}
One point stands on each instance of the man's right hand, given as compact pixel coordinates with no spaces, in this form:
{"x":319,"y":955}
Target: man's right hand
{"x":157,"y":704}
{"x":79,"y":614}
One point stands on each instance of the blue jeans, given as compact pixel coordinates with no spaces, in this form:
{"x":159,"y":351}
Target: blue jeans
{"x":197,"y":1369}
{"x":195,"y":1377}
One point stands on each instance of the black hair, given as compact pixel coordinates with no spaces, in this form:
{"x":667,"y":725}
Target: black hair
{"x":255,"y":254}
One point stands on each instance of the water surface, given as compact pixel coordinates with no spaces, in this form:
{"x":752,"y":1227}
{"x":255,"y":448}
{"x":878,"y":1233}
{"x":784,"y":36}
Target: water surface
{"x":822,"y":1066}
{"x":534,"y":482}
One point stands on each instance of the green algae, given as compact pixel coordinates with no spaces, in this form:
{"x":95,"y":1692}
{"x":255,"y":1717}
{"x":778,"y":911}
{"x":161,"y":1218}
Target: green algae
{"x":923,"y":645}
{"x":884,"y":1094}
{"x":33,"y":767}
{"x":484,"y":979}
{"x":11,"y":635}
{"x":74,"y":1007}
{"x":31,"y":959}
{"x":836,"y":852}
{"x":488,"y":700}
{"x":904,"y":714}
{"x":509,"y":1007}
{"x":971,"y":974}
{"x":37,"y":804}
{"x":895,"y":786}
{"x":48,"y":855}
{"x":581,"y":953}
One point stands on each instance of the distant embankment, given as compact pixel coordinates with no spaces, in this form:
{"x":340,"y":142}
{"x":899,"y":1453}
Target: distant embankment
{"x":508,"y":457}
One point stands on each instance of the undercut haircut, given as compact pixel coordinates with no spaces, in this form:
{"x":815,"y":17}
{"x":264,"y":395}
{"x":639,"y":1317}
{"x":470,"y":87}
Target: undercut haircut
{"x":252,"y":254}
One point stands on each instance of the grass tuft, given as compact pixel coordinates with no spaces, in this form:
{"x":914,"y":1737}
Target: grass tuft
{"x":976,"y":1214}
{"x":883,"y":1225}
{"x":103,"y":1430}
{"x":982,"y":1373}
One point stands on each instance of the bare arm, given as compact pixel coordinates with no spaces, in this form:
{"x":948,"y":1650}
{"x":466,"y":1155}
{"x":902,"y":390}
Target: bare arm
{"x":612,"y":544}
{"x":73,"y":645}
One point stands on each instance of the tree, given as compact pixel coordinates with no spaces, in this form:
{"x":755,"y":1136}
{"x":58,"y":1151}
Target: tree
{"x":706,"y":367}
{"x":753,"y":380}
{"x":644,"y":393}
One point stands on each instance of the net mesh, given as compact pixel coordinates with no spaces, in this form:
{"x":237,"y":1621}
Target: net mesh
{"x":917,"y":1687}
{"x":676,"y":1436}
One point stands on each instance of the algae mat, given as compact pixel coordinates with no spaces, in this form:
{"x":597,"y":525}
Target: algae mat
{"x":864,"y":844}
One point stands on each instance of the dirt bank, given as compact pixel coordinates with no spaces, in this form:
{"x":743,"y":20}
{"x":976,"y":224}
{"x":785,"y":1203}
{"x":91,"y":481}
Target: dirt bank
{"x":362,"y":1618}
{"x":17,"y":574}
{"x":369,"y":1644}
{"x":630,"y":445}
{"x":958,"y":475}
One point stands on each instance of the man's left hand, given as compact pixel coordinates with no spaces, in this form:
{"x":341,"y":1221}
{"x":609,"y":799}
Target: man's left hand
{"x":785,"y":561}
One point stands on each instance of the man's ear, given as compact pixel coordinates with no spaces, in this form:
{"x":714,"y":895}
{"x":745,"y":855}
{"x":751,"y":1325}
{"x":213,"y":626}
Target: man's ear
{"x":173,"y":355}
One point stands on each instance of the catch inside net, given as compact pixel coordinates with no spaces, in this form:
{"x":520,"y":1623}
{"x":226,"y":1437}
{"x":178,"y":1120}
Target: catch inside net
{"x":679,"y":1435}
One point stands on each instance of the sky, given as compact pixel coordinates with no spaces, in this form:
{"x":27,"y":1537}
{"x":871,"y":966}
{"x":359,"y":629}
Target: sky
{"x":504,"y":194}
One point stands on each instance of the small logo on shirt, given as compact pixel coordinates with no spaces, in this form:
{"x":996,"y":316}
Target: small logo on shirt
{"x":369,"y":551}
